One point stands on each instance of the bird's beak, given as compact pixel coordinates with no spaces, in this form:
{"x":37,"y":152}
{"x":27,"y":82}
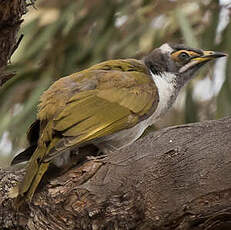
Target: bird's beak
{"x":209,"y":55}
{"x":201,"y":60}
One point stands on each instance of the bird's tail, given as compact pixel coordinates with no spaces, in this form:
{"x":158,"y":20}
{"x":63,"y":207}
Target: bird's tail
{"x":34,"y":173}
{"x":41,"y":170}
{"x":36,"y":168}
{"x":24,"y":156}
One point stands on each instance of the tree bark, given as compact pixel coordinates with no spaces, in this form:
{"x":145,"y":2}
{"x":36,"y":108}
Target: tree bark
{"x":175,"y":178}
{"x":11,"y":12}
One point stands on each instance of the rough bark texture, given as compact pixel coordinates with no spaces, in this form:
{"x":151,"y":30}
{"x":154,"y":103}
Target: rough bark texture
{"x":11,"y":12}
{"x":176,"y":178}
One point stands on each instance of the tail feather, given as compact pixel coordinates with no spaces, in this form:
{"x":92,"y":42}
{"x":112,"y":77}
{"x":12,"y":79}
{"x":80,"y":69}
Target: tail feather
{"x":24,"y":156}
{"x":33,"y":168}
{"x":41,"y":170}
{"x":27,"y":188}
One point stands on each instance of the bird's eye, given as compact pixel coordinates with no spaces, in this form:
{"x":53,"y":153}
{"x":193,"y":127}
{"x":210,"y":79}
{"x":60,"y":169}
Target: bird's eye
{"x":183,"y":56}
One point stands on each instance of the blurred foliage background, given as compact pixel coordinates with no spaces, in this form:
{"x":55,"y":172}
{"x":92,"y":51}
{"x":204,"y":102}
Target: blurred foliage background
{"x":62,"y":37}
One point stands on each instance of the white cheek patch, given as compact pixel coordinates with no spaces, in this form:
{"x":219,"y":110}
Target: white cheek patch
{"x":166,"y":48}
{"x":187,"y":66}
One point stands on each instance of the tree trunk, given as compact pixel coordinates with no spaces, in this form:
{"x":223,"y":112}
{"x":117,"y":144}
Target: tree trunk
{"x":175,"y":178}
{"x":11,"y":12}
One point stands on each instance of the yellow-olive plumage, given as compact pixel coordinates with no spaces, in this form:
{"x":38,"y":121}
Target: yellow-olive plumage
{"x":109,"y":104}
{"x":87,"y":105}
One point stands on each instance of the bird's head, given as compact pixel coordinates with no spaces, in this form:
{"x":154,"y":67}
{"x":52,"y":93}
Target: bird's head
{"x":180,"y":60}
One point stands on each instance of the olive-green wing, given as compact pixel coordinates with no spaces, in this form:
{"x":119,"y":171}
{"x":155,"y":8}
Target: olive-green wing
{"x":92,"y":114}
{"x":85,"y":106}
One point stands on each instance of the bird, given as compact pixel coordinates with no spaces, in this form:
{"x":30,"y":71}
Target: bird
{"x":109,"y":104}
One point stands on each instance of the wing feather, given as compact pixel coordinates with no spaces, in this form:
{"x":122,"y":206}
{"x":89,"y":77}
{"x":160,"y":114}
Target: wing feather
{"x":119,"y":100}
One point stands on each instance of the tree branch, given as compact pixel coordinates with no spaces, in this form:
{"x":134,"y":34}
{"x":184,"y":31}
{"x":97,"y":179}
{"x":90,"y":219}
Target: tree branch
{"x":11,"y":12}
{"x":175,"y":178}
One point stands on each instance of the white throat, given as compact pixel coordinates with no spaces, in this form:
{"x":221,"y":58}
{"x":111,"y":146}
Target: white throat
{"x":167,"y":90}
